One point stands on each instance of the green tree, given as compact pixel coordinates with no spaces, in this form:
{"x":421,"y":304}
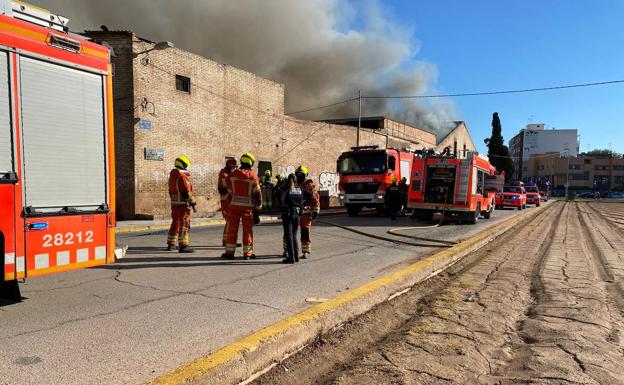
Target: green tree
{"x":498,"y":153}
{"x":604,"y":152}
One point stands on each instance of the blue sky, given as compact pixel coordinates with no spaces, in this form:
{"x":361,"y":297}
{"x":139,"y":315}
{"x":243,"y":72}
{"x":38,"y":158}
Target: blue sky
{"x":498,"y":45}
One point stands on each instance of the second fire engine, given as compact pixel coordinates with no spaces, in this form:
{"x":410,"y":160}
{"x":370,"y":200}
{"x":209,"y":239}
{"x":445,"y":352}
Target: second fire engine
{"x":444,"y":183}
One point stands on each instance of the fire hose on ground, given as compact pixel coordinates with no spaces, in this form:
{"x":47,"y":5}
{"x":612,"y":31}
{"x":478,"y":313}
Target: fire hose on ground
{"x":396,"y":232}
{"x":432,"y":241}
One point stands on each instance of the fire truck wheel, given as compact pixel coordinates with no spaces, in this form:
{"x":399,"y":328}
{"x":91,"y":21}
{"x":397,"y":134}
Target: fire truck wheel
{"x":474,"y":217}
{"x":487,"y":214}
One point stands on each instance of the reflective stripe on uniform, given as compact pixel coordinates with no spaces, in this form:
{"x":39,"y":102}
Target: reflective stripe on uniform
{"x":230,"y":248}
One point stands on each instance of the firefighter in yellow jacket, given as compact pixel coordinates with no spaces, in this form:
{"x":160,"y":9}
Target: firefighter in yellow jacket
{"x":244,"y":198}
{"x":181,"y":194}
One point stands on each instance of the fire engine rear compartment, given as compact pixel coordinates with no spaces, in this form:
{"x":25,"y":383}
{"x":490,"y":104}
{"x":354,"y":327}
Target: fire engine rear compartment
{"x":440,"y":184}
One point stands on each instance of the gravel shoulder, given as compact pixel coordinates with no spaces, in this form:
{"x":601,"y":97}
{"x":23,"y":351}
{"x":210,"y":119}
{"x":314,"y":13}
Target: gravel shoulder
{"x":540,"y":305}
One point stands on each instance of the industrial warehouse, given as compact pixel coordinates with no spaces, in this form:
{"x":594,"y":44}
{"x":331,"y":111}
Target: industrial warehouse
{"x":170,"y":102}
{"x":382,"y":242}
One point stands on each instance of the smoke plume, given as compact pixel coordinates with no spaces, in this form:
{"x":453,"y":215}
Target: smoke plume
{"x":322,"y":50}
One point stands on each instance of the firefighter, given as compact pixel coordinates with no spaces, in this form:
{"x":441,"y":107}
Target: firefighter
{"x":393,"y":199}
{"x":403,"y":190}
{"x":181,"y":194}
{"x":267,"y":190}
{"x":293,"y":198}
{"x":310,"y":210}
{"x":224,"y":174}
{"x":245,"y":197}
{"x":280,"y":182}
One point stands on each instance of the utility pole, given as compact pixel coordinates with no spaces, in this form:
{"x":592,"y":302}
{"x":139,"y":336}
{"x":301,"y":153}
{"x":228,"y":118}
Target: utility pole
{"x":567,"y":172}
{"x":357,"y":140}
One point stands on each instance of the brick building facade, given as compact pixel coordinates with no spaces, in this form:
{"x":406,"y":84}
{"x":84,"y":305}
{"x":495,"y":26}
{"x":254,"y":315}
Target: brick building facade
{"x":170,"y":102}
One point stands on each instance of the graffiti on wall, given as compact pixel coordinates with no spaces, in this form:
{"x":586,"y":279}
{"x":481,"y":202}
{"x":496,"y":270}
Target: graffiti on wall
{"x":328,"y":181}
{"x":285,"y":170}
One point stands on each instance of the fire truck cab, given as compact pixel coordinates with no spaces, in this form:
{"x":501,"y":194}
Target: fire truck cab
{"x":366,"y":172}
{"x":56,"y":147}
{"x":455,"y":187}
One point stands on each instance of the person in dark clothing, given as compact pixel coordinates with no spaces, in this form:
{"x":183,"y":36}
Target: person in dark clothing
{"x":292,"y":200}
{"x":393,"y":199}
{"x":403,"y":190}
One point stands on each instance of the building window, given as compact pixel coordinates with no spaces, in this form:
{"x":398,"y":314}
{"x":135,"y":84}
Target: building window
{"x":597,"y":167}
{"x":587,"y":161}
{"x":575,"y":167}
{"x":584,"y":176}
{"x":540,"y":167}
{"x":183,"y":84}
{"x":618,"y":167}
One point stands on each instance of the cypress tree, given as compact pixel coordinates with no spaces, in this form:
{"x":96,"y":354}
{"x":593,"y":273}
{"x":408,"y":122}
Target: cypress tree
{"x":498,"y":153}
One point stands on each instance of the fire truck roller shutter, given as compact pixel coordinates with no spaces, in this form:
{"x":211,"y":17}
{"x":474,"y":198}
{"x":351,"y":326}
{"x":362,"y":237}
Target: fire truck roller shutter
{"x":6,"y":146}
{"x":63,"y":136}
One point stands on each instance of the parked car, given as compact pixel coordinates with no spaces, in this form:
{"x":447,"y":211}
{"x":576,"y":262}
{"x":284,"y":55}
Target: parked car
{"x":533,"y":195}
{"x":617,"y":195}
{"x":512,"y":196}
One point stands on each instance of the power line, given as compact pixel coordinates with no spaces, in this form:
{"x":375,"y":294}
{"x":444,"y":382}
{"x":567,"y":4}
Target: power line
{"x":485,"y":93}
{"x":499,"y":92}
{"x":321,"y":107}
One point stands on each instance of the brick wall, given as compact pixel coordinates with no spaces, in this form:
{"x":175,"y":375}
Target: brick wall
{"x":459,"y":136}
{"x":123,"y":97}
{"x":227,"y":112}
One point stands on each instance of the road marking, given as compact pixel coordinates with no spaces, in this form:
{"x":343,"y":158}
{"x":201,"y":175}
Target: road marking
{"x":252,"y":342}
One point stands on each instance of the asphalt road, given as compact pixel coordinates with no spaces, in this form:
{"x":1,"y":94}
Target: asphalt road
{"x":155,"y":310}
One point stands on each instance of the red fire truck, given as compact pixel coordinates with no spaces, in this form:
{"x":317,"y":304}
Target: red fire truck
{"x":365,"y":173}
{"x":457,"y":187}
{"x":56,"y":147}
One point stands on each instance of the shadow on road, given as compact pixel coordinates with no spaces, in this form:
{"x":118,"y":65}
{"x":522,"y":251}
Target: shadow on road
{"x":186,"y":261}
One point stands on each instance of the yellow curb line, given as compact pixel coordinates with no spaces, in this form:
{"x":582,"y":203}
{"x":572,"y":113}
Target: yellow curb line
{"x":203,"y":365}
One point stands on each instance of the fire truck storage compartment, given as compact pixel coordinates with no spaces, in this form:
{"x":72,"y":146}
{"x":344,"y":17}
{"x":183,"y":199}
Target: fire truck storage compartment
{"x":63,"y":137}
{"x":440,"y":185}
{"x":6,"y":139}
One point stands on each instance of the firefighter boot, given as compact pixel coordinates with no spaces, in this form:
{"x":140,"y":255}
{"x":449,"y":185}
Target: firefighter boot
{"x":186,"y":249}
{"x":172,"y":247}
{"x":305,"y":255}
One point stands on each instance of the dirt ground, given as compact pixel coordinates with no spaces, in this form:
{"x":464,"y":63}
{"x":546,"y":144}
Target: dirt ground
{"x":543,"y":304}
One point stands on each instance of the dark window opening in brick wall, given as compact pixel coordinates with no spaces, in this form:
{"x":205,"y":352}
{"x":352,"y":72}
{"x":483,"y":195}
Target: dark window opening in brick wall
{"x":183,"y":84}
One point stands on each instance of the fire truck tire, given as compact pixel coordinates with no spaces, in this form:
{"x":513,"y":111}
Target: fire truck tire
{"x":353,"y":210}
{"x":488,"y":214}
{"x":474,"y":217}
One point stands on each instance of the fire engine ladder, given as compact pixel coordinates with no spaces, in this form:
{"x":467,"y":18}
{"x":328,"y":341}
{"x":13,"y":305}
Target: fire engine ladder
{"x":32,"y":14}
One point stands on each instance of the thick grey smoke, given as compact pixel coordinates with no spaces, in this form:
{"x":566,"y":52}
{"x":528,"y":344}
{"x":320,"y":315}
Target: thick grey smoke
{"x":322,"y":50}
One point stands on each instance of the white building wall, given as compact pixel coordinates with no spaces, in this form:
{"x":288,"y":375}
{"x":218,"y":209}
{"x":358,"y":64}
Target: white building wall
{"x":539,"y":141}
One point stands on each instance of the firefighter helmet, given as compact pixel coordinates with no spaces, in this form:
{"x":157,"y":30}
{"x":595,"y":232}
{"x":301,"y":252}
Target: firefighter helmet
{"x":302,"y":170}
{"x":182,"y":162}
{"x":267,"y":173}
{"x":248,"y":159}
